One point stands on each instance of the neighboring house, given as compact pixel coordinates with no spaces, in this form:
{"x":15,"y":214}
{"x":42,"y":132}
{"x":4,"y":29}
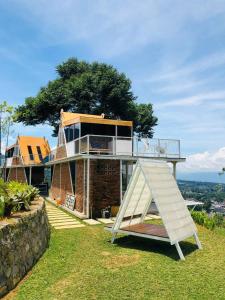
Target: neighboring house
{"x":25,"y":160}
{"x":94,"y":160}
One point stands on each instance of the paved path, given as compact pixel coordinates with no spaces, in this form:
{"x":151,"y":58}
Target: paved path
{"x":60,"y":219}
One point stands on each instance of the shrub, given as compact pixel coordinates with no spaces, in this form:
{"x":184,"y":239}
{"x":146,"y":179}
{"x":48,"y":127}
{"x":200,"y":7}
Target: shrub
{"x":2,"y":206}
{"x":15,"y":196}
{"x":210,"y":222}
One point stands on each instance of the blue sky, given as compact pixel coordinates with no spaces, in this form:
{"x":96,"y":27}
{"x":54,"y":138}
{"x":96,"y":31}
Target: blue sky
{"x":173,"y":51}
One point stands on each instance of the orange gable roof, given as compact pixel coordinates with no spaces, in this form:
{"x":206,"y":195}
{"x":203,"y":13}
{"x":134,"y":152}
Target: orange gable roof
{"x":25,"y":141}
{"x":68,"y":118}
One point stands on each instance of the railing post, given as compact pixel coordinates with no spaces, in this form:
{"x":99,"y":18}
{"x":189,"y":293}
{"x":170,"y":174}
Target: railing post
{"x":79,"y":145}
{"x":158,"y":147}
{"x":179,"y":147}
{"x":88,"y":141}
{"x":137,"y":145}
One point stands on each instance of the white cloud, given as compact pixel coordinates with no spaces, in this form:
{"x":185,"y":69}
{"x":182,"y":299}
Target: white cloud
{"x":211,"y":61}
{"x":194,"y":100}
{"x":204,"y":161}
{"x":115,"y":27}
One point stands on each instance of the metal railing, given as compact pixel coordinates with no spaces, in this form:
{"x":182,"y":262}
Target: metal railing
{"x":108,"y":145}
{"x":32,"y":159}
{"x":131,"y":146}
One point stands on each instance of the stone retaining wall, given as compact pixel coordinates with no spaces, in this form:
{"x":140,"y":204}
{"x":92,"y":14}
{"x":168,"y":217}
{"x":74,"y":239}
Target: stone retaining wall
{"x":23,"y":239}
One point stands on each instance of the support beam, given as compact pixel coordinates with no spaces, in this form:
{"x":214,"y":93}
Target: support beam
{"x":121,"y":185}
{"x":174,"y":163}
{"x":179,"y":251}
{"x":113,"y":237}
{"x":88,"y":188}
{"x":30,"y":175}
{"x":197,"y":241}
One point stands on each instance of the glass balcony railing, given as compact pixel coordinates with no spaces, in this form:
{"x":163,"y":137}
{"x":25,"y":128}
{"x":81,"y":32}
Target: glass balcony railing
{"x":108,"y":146}
{"x":131,"y":146}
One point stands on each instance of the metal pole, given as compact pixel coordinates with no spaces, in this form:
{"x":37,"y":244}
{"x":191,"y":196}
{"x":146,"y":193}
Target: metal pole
{"x":88,"y":188}
{"x":30,"y":175}
{"x":174,"y":169}
{"x":121,"y":178}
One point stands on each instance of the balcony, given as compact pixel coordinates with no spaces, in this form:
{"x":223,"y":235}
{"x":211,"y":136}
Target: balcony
{"x":126,"y":146}
{"x":32,"y":159}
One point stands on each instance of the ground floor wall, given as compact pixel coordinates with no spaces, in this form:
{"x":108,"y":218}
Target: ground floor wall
{"x":104,"y":185}
{"x":17,"y":174}
{"x":61,"y":182}
{"x":95,"y":184}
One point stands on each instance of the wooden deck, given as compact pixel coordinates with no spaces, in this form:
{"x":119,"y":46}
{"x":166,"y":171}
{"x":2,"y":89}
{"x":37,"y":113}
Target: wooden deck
{"x":148,"y":229}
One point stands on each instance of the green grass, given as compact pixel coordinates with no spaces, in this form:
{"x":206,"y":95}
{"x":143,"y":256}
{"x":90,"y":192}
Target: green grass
{"x":82,"y":264}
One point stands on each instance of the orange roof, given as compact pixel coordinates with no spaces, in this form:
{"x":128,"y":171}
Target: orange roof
{"x":68,"y":118}
{"x":25,"y":141}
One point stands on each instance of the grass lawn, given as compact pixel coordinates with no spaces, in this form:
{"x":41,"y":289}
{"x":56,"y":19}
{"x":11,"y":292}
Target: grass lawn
{"x":82,"y":264}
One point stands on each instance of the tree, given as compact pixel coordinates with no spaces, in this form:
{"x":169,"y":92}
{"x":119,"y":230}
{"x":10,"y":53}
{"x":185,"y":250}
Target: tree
{"x":6,"y":121}
{"x":83,"y":87}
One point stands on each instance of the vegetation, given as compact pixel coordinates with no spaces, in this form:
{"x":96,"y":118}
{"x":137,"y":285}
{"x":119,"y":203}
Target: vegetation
{"x":15,"y":196}
{"x":205,"y":192}
{"x":92,"y":88}
{"x":210,"y":222}
{"x":81,"y":264}
{"x":6,"y":121}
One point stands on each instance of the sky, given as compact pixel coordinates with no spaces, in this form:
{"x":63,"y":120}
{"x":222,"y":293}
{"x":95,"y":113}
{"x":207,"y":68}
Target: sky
{"x":173,"y":51}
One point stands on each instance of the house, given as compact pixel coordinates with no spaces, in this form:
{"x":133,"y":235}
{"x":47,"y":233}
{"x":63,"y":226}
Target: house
{"x":92,"y":163}
{"x":94,"y":160}
{"x":25,"y":160}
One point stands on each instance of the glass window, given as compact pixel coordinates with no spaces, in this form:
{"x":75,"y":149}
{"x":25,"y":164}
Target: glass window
{"x":39,"y":153}
{"x":30,"y":152}
{"x":76,"y":131}
{"x":72,"y":132}
{"x":123,"y":131}
{"x":9,"y":153}
{"x":97,"y":129}
{"x":127,"y":170}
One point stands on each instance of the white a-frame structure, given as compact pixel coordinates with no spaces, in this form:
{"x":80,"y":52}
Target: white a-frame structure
{"x":152,"y":180}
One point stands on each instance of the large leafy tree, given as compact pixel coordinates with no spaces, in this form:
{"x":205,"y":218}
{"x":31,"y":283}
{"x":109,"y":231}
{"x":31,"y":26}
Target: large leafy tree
{"x":87,"y":88}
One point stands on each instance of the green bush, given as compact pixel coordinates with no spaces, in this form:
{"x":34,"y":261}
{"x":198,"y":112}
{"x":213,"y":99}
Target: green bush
{"x":210,"y":222}
{"x":2,"y":206}
{"x":15,"y":196}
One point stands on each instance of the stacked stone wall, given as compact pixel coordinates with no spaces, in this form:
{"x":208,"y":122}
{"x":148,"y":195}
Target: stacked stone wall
{"x":23,"y":240}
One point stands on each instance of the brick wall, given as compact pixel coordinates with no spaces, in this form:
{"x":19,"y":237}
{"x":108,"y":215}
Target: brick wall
{"x":60,"y":152}
{"x":58,"y":191}
{"x":17,"y":174}
{"x":79,"y":185}
{"x":104,"y":185}
{"x":55,"y":186}
{"x":66,"y":185}
{"x":16,"y":161}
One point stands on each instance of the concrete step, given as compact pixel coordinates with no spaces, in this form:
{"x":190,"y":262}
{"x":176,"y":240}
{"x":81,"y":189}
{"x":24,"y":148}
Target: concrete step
{"x":69,"y":226}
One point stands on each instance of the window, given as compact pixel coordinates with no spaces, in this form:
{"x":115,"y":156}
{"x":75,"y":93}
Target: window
{"x":39,"y":153}
{"x":123,"y":131}
{"x":72,"y":132}
{"x":127,"y":170}
{"x":9,"y":153}
{"x":97,"y":129}
{"x":30,"y":152}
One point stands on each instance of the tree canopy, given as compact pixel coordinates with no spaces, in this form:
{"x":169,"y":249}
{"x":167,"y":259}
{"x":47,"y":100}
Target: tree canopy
{"x":92,"y":88}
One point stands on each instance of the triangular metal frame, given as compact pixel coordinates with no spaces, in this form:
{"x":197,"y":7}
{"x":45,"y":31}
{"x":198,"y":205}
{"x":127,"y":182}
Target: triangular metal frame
{"x":118,"y":224}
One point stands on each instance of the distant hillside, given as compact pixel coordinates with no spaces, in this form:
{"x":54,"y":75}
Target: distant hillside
{"x":201,"y":176}
{"x":202,"y":191}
